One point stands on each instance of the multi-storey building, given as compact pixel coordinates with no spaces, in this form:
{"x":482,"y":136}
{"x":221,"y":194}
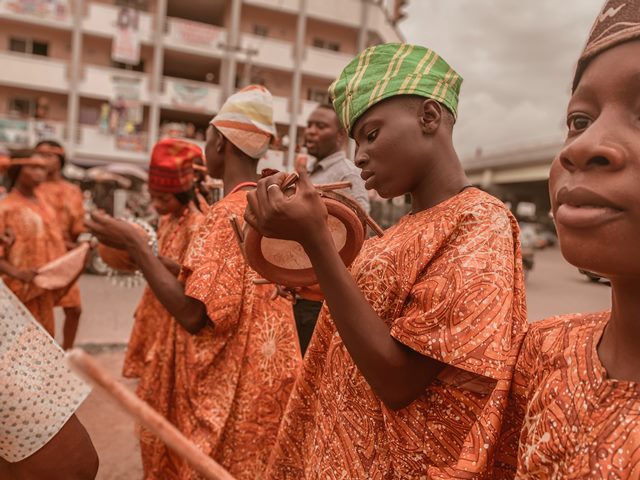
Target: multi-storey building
{"x":81,"y":71}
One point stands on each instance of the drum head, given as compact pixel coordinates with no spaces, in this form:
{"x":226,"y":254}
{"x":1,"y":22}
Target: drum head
{"x":117,"y":259}
{"x":284,"y":262}
{"x":63,"y":271}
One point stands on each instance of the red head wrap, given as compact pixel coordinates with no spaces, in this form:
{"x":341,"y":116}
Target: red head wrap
{"x":171,"y":167}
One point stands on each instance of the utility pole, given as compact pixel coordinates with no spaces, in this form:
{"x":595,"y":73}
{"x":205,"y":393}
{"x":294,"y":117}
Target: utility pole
{"x":363,"y":34}
{"x":298,"y":55}
{"x":156,"y":75}
{"x":73,"y":105}
{"x":363,"y":38}
{"x":231,"y":47}
{"x":246,"y":72}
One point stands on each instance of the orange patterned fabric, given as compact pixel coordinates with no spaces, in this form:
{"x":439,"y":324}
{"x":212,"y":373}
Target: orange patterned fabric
{"x":38,"y":240}
{"x":566,"y":418}
{"x":226,"y":387}
{"x":448,"y":282}
{"x":174,"y":235}
{"x":68,"y":204}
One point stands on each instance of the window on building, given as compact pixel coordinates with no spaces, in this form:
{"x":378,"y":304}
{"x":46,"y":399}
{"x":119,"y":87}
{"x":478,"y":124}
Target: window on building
{"x":18,"y":45}
{"x":318,"y":95}
{"x":29,"y":46}
{"x":40,"y":48}
{"x":261,"y":30}
{"x":326,"y":44}
{"x":21,"y":106}
{"x":125,"y":66}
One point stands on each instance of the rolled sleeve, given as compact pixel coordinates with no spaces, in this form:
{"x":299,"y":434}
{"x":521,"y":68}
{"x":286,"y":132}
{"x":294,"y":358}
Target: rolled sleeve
{"x":38,"y":392}
{"x":460,"y":311}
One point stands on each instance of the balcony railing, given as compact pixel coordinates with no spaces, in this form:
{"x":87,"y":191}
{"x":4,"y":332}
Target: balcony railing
{"x":186,"y":95}
{"x":52,"y":15}
{"x":30,"y":71}
{"x":25,"y":133}
{"x":108,"y":83}
{"x":94,"y":143}
{"x":101,"y":20}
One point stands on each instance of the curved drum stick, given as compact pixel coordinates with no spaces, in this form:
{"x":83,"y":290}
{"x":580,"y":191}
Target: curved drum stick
{"x":88,"y":368}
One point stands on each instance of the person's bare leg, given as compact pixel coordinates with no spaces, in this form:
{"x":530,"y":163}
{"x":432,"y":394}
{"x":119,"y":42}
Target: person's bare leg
{"x":70,"y":329}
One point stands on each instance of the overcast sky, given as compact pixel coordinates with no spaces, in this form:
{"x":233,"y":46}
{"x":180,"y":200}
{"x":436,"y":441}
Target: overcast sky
{"x":516,"y":57}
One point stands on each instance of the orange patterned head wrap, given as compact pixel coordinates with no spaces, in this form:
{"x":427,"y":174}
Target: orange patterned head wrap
{"x":618,"y":22}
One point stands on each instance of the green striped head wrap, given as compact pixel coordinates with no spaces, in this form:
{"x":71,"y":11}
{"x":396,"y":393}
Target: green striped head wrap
{"x":391,"y":69}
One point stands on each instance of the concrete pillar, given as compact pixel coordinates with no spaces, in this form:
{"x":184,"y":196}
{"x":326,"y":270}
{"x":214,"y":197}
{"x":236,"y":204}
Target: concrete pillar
{"x":298,"y":56}
{"x":156,"y":74}
{"x":73,"y":99}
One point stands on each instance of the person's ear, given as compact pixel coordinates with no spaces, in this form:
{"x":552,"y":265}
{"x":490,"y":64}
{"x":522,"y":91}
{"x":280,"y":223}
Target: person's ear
{"x":342,"y":136}
{"x":430,"y":116}
{"x":220,"y":142}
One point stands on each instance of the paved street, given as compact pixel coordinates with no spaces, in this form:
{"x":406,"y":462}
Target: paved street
{"x":553,"y":287}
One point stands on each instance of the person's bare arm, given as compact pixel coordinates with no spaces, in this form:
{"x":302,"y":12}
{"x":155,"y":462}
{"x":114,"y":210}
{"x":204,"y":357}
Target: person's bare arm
{"x":69,"y":455}
{"x":188,"y":311}
{"x":397,"y":374}
{"x":13,"y":271}
{"x":170,"y":265}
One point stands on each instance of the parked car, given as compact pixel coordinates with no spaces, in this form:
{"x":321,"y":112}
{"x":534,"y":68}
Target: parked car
{"x":535,"y":235}
{"x":528,"y":242}
{"x":527,"y":260}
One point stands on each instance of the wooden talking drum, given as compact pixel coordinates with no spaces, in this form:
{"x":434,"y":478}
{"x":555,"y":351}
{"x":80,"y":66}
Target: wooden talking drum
{"x":63,"y":271}
{"x":118,"y":259}
{"x":284,"y":262}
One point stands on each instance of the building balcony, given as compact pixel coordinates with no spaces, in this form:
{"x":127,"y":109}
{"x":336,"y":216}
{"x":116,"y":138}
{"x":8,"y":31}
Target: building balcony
{"x":30,"y":71}
{"x":25,"y":133}
{"x":194,"y":37}
{"x":201,"y":97}
{"x":101,"y":20}
{"x":94,"y":144}
{"x":350,"y":14}
{"x":50,"y":16}
{"x":324,"y":63}
{"x":186,"y":95}
{"x":107,"y":83}
{"x":281,"y":111}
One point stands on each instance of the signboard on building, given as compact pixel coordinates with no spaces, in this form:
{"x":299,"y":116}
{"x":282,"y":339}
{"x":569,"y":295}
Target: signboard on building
{"x":14,"y":132}
{"x":189,"y":96}
{"x":125,"y":47}
{"x":194,"y":33}
{"x":48,"y":9}
{"x":126,"y":114}
{"x":19,"y":133}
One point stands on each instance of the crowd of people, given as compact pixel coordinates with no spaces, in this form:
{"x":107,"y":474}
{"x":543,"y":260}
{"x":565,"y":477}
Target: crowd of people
{"x":419,"y":363}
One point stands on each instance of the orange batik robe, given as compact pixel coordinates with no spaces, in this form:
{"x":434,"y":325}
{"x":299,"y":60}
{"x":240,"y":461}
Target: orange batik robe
{"x":68,"y":204}
{"x":174,"y":235}
{"x":226,"y":387}
{"x":448,"y":282}
{"x":566,"y":418}
{"x":38,"y":240}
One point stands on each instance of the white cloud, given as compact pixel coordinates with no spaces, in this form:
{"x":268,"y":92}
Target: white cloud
{"x":517,"y":59}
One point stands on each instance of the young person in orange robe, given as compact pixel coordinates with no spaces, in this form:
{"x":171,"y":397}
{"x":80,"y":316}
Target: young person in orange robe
{"x":236,"y":349}
{"x":36,"y":237}
{"x":409,"y":368}
{"x":575,"y":405}
{"x":171,"y":178}
{"x":68,"y":204}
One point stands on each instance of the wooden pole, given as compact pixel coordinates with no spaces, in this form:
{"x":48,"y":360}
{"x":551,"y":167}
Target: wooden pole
{"x":87,"y":367}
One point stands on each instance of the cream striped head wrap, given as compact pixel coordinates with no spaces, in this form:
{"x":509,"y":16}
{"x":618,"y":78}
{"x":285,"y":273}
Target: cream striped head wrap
{"x":391,"y":69}
{"x":246,"y":120}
